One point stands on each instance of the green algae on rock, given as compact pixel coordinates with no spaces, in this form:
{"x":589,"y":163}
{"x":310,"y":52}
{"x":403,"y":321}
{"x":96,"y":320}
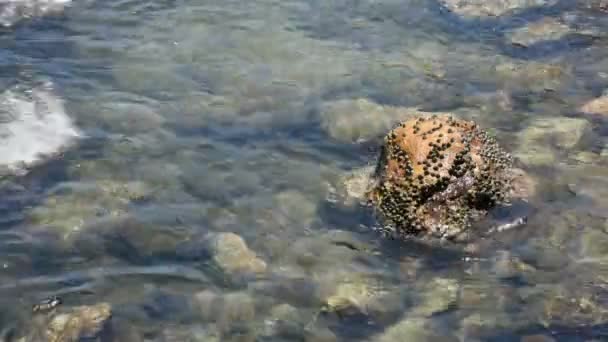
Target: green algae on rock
{"x":436,"y":174}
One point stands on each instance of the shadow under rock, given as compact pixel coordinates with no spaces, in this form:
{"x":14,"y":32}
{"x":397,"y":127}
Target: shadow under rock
{"x":361,"y":220}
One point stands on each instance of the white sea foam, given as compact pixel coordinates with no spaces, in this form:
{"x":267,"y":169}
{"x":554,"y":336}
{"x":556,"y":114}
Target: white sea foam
{"x":12,"y":11}
{"x":33,"y":127}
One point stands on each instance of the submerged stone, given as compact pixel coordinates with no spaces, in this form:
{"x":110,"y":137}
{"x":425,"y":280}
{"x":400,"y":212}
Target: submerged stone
{"x":436,"y":174}
{"x":542,"y":30}
{"x":78,"y":205}
{"x":565,"y":133}
{"x":360,"y":119}
{"x":537,"y":142}
{"x":357,"y":294}
{"x":232,"y":255}
{"x":227,"y":311}
{"x":597,"y":106}
{"x":412,"y":329}
{"x":75,"y":324}
{"x":436,"y":296}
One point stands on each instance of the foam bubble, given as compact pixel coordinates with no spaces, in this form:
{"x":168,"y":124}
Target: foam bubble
{"x":12,"y":11}
{"x":33,"y":128}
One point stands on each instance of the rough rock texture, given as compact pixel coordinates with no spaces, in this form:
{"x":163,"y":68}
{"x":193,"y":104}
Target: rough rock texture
{"x":357,"y":293}
{"x":232,"y":255}
{"x":537,"y":143}
{"x":80,"y":323}
{"x":436,"y":174}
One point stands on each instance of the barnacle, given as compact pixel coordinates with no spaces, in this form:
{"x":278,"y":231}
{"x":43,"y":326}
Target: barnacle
{"x":435,"y":174}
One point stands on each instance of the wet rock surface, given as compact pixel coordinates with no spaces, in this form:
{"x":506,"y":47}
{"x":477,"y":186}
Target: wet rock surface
{"x":73,"y":324}
{"x":436,"y":174}
{"x":227,"y":311}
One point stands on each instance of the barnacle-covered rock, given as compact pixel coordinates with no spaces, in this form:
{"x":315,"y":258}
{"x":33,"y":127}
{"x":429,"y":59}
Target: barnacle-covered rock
{"x":436,"y":174}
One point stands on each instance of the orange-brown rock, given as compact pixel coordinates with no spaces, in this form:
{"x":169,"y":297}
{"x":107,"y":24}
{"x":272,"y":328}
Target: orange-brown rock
{"x":435,"y":174}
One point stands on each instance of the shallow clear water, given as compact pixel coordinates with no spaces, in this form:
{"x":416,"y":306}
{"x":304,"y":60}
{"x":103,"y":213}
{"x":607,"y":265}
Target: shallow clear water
{"x":203,"y":117}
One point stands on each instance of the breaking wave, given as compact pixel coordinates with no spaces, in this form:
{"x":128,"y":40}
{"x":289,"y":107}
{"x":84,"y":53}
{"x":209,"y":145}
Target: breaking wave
{"x":13,"y":11}
{"x":33,"y":128}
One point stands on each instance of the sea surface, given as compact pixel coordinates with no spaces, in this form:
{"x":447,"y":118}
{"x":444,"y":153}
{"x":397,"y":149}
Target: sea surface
{"x":194,"y":164}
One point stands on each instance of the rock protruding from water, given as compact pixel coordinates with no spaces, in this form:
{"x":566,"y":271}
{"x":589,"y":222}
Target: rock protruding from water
{"x":436,"y":175}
